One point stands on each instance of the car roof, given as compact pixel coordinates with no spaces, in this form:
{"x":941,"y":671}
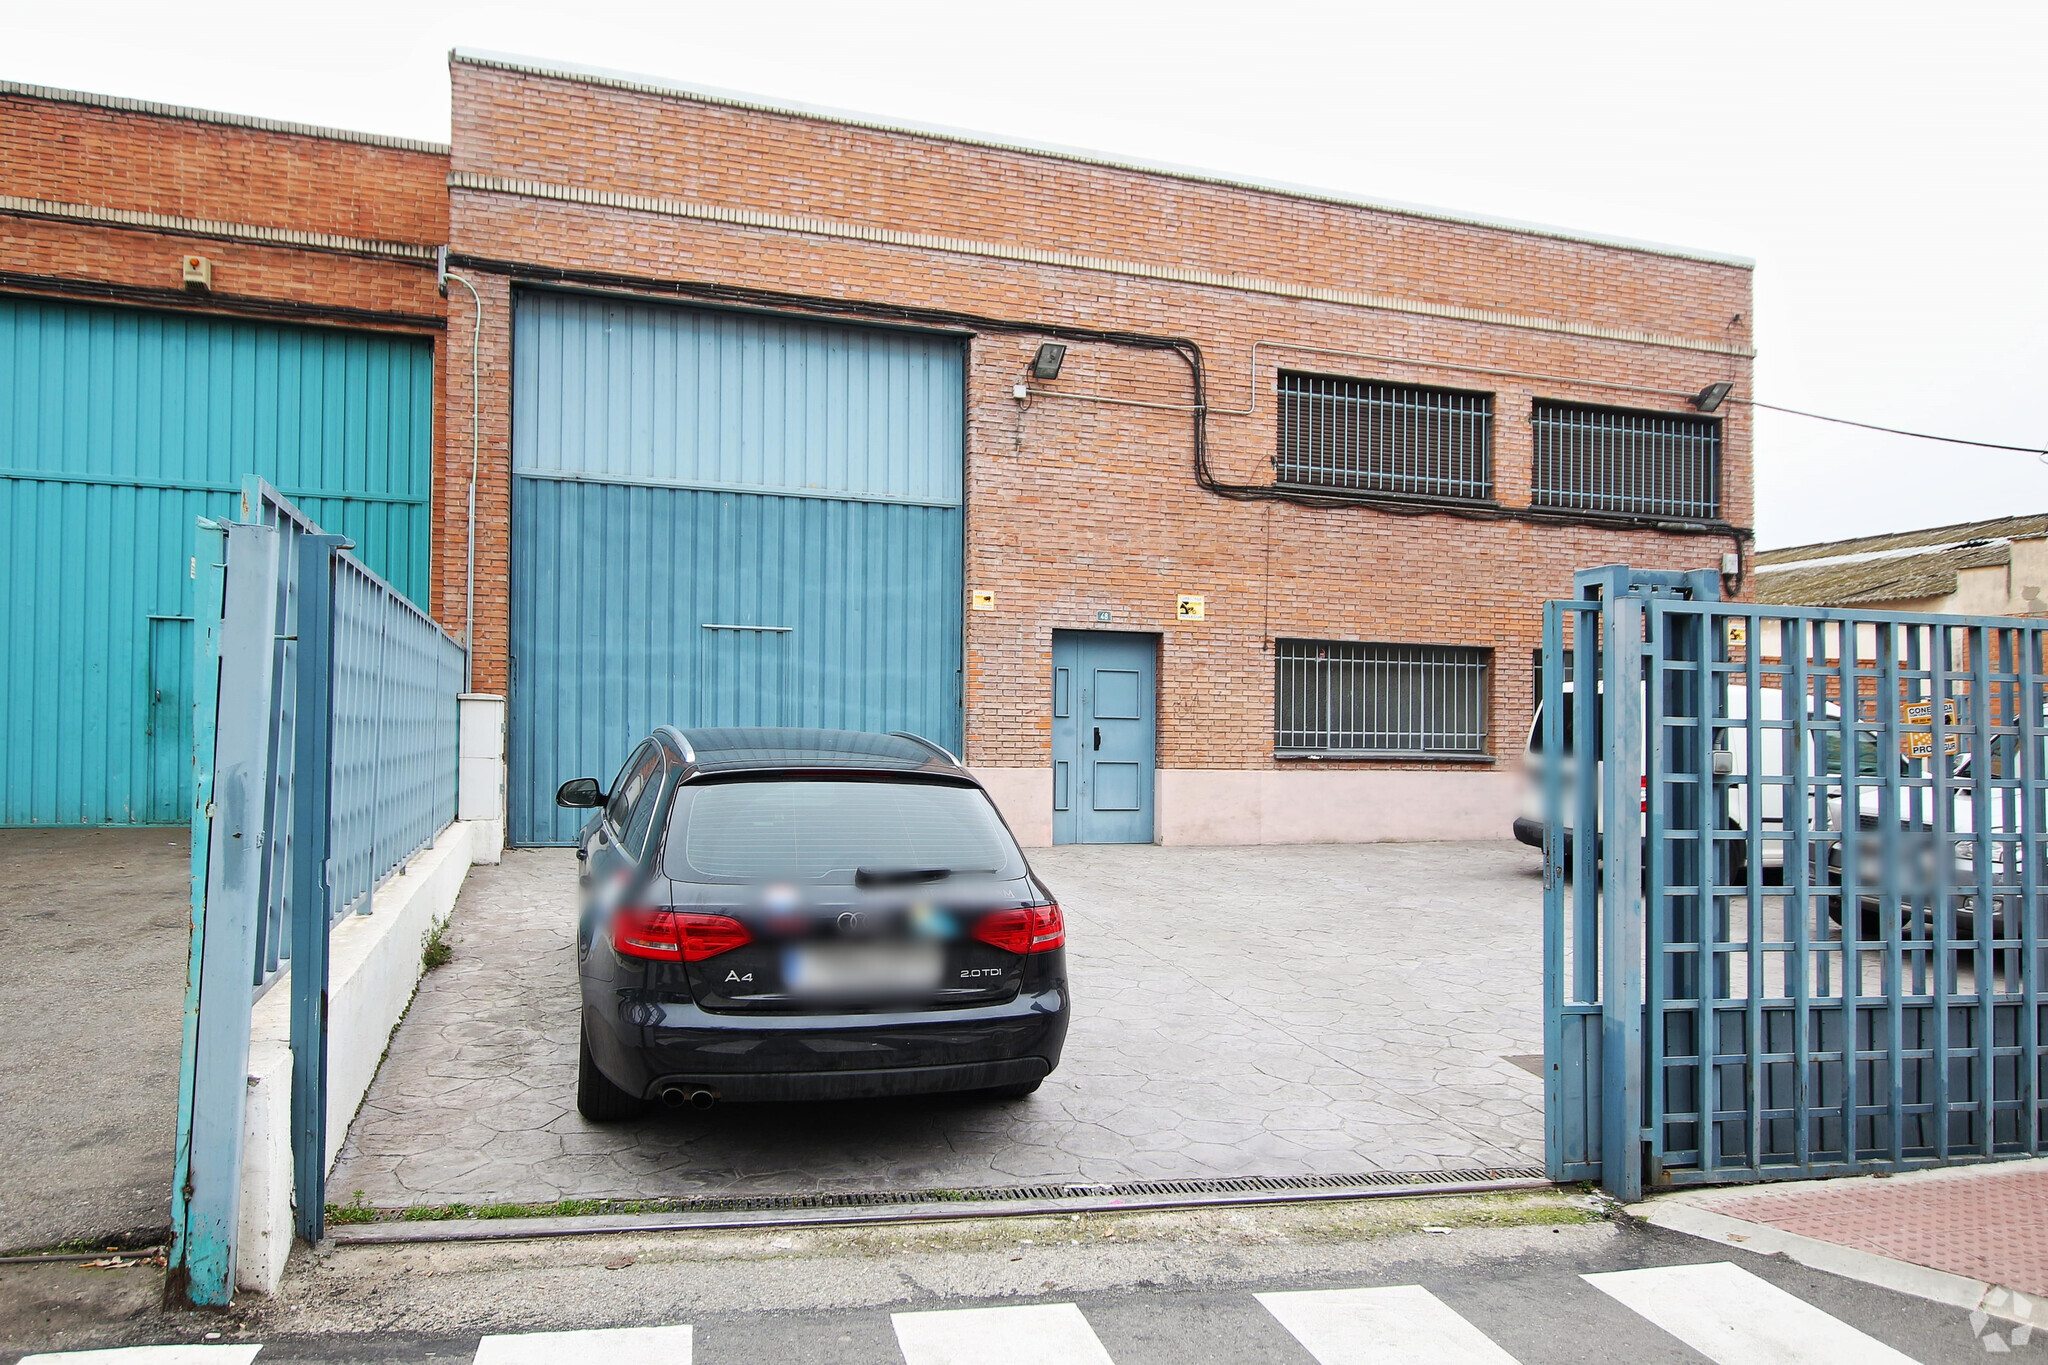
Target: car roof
{"x":784,"y":748}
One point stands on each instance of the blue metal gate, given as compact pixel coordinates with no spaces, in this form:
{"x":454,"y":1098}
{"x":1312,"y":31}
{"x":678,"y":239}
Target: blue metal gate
{"x":1804,"y":936}
{"x":725,"y":518}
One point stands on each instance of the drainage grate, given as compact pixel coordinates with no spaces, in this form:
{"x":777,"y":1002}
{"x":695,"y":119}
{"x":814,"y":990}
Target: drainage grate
{"x":462,"y":1223}
{"x":1137,"y":1189}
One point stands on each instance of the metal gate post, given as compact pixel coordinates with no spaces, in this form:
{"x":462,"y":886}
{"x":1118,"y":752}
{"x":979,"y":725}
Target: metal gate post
{"x":208,"y":572}
{"x":313,"y":685}
{"x":213,"y":1082}
{"x":1621,"y":949}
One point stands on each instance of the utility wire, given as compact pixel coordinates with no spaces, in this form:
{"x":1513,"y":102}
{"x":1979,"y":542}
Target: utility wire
{"x":1894,"y":431}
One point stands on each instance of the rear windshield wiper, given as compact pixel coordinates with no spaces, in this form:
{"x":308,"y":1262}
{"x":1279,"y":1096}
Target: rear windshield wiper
{"x":905,"y":876}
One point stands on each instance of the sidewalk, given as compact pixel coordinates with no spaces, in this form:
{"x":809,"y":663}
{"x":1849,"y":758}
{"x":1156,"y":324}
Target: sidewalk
{"x":1973,"y":1236}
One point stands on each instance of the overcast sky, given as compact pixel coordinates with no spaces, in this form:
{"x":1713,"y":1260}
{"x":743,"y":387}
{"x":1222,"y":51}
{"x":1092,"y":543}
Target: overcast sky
{"x":1885,"y":164}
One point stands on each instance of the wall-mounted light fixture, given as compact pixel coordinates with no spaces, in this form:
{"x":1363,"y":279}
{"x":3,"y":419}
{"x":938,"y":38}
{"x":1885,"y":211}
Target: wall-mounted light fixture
{"x":1046,"y":364}
{"x":1709,"y":398}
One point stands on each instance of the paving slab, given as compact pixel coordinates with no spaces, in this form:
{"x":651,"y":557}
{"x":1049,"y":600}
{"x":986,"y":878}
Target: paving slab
{"x":94,"y":929}
{"x":1987,"y":1222}
{"x":1318,"y":1009}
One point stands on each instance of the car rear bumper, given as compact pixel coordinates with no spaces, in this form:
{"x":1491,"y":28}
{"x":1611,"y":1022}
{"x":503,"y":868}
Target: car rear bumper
{"x":855,"y":1085}
{"x":645,"y":1049}
{"x":1528,"y":831}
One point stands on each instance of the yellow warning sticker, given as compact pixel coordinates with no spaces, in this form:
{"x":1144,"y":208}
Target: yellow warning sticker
{"x":984,"y":601}
{"x":1190,"y":608}
{"x":1919,"y":743}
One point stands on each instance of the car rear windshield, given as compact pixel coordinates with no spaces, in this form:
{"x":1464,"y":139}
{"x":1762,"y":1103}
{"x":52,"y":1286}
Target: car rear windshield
{"x":813,"y":830}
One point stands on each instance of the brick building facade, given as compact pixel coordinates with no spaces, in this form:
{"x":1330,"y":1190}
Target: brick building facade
{"x":1081,"y":500}
{"x":1144,"y":473}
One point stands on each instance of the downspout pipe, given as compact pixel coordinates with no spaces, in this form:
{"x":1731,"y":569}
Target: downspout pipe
{"x":476,"y":333}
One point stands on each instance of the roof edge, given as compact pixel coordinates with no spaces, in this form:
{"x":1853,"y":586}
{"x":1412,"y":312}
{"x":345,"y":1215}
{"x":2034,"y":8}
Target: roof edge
{"x":125,"y":104}
{"x":739,"y":99}
{"x":2001,"y":528}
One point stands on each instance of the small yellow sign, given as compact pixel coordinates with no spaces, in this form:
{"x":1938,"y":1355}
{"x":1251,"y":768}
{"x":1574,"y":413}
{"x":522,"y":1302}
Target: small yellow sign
{"x":1190,"y":608}
{"x":1920,"y":743}
{"x":1737,"y":632}
{"x":984,"y":601}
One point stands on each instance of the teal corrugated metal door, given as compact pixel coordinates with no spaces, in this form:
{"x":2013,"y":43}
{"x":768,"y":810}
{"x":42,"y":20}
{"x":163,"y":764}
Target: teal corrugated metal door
{"x":117,"y":429}
{"x":725,"y":518}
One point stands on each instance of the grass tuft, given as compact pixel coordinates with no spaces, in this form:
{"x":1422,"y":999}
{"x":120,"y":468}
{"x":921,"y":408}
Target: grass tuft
{"x":435,"y":950}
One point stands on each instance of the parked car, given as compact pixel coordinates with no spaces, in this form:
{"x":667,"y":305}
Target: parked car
{"x":1730,"y":764}
{"x":783,"y":914}
{"x":1913,"y":854}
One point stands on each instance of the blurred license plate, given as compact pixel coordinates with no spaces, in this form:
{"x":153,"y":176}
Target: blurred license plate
{"x":853,"y":970}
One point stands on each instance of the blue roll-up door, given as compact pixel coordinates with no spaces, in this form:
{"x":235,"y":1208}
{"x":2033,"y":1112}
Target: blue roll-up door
{"x":118,"y":429}
{"x":725,"y":518}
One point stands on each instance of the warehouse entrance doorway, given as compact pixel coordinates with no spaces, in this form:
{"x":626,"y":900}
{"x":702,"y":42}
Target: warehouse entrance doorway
{"x":725,"y":518}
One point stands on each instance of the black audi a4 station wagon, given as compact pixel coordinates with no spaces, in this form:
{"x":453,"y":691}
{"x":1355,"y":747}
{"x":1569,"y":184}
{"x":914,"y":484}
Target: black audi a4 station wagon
{"x":781,"y":914}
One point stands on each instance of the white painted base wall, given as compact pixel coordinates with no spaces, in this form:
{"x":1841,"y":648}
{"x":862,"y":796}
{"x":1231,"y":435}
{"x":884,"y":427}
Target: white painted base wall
{"x":1299,"y":805}
{"x":1024,"y":796}
{"x":373,"y":968}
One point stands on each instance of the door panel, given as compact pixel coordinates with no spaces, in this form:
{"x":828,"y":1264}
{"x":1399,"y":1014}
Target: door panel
{"x":170,"y":720}
{"x":1105,"y":736}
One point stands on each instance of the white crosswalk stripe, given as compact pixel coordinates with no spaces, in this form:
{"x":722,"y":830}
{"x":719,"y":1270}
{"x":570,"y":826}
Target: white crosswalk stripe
{"x":1401,"y":1324}
{"x":614,"y":1346}
{"x":1039,"y":1334}
{"x":150,"y":1355}
{"x":1733,"y":1318}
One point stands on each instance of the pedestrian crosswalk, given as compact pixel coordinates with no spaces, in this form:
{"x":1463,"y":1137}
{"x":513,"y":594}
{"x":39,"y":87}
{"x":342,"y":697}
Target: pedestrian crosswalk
{"x":1719,"y":1311}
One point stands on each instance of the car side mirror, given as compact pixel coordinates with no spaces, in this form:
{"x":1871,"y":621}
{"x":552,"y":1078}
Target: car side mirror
{"x":579,"y":793}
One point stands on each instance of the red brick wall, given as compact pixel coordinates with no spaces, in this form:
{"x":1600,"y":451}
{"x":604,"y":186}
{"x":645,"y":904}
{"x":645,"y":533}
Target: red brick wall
{"x":1088,"y":506}
{"x":118,"y":158}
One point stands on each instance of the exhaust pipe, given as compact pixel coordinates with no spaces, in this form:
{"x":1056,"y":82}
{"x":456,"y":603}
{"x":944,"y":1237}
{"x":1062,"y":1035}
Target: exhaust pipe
{"x":697,"y":1097}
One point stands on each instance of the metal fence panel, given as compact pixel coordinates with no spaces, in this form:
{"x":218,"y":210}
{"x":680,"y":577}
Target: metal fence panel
{"x":1842,"y":817}
{"x":396,"y":680}
{"x":1385,"y":438}
{"x":394,"y":742}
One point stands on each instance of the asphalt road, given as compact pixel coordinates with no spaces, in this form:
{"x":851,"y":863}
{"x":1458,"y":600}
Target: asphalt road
{"x":1159,"y":1289}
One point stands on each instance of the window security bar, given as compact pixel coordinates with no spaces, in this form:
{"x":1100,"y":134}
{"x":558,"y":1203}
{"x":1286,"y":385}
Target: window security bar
{"x":1338,"y":697}
{"x":1384,"y":438}
{"x":1613,"y":460}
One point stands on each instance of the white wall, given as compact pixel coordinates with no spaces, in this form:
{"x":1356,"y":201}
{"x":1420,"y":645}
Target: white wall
{"x":1302,"y":804}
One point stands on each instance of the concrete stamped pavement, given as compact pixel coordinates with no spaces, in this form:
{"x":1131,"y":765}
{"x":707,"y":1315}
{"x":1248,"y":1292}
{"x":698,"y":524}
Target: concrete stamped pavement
{"x":1238,"y":1011}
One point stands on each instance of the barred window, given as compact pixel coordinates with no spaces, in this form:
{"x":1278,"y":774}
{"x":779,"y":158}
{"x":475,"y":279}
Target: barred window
{"x":1384,"y":438}
{"x":1339,"y":697}
{"x":1613,"y":460}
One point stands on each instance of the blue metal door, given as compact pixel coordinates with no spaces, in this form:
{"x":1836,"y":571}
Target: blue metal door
{"x":1104,"y":737}
{"x":725,"y":518}
{"x":119,"y":427}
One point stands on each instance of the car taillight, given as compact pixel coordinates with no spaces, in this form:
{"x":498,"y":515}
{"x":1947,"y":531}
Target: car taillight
{"x":1027,"y":929}
{"x":664,"y":935}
